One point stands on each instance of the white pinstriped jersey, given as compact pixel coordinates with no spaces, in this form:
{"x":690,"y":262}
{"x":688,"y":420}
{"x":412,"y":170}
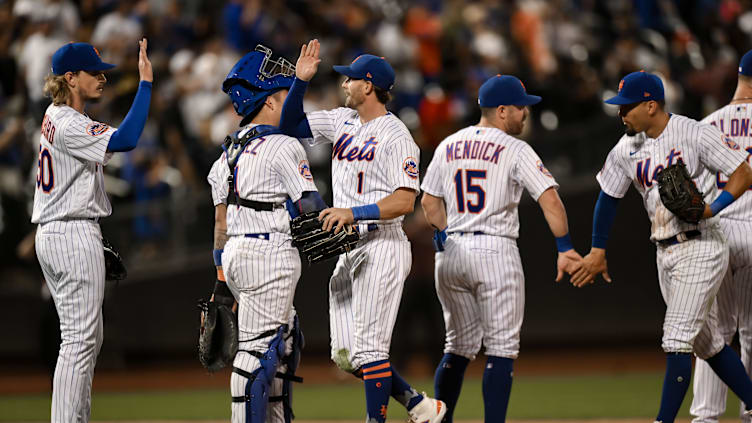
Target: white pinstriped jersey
{"x":480,"y":173}
{"x":270,"y":169}
{"x":369,"y":160}
{"x":734,"y":121}
{"x":638,"y":159}
{"x":72,"y":151}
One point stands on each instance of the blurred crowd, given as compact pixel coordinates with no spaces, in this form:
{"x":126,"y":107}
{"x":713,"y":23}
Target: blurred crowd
{"x":571,"y":52}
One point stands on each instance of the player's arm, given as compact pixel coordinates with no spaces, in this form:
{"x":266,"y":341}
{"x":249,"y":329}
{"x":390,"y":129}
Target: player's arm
{"x":396,"y":204}
{"x":556,"y":216}
{"x":127,"y":135}
{"x":294,"y":121}
{"x":434,"y":210}
{"x":221,"y":292}
{"x":595,"y":262}
{"x":738,"y":183}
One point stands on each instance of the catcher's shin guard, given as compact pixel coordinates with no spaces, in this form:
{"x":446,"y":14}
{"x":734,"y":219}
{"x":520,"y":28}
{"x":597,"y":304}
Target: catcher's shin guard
{"x":291,"y":361}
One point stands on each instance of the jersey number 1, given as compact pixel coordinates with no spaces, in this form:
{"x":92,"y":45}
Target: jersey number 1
{"x":45,"y":174}
{"x":469,"y":188}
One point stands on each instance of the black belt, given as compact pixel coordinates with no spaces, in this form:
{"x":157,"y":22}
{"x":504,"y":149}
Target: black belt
{"x":251,"y":204}
{"x":263,"y":235}
{"x":467,"y":233}
{"x":684,"y":236}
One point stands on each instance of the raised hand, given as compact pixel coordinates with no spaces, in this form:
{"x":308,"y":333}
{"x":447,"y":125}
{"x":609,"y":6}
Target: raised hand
{"x":144,"y":65}
{"x":569,"y":262}
{"x":308,"y":62}
{"x":592,"y":264}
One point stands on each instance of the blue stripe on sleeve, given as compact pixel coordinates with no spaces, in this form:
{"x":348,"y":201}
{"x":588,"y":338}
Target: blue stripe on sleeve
{"x":603,"y":218}
{"x":127,"y":135}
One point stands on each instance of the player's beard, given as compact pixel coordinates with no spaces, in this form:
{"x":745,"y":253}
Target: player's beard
{"x":630,"y":132}
{"x":353,"y":101}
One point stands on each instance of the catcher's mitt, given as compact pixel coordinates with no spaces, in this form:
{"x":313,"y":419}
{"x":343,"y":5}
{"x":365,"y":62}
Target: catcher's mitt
{"x":317,"y":244}
{"x":680,"y":194}
{"x":218,"y":336}
{"x":114,"y":268}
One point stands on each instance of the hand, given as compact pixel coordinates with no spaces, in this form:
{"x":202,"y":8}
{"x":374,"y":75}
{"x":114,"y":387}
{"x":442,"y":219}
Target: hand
{"x":335,"y":216}
{"x":144,"y":65}
{"x":592,"y":264}
{"x":568,"y":261}
{"x":308,"y":62}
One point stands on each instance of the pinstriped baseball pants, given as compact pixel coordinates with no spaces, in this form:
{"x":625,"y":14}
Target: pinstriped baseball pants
{"x":481,"y":287}
{"x":365,"y":291}
{"x":690,"y":274}
{"x":734,"y":305}
{"x":262,"y":275}
{"x":71,"y":257}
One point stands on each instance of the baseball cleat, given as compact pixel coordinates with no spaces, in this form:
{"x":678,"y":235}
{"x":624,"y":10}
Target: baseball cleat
{"x":428,"y":410}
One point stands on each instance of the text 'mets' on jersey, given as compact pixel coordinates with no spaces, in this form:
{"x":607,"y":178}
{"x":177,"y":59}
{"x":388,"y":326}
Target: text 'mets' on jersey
{"x":480,"y":173}
{"x":271,"y":169}
{"x":70,"y":182}
{"x":369,"y":160}
{"x":639,"y":159}
{"x":734,"y":121}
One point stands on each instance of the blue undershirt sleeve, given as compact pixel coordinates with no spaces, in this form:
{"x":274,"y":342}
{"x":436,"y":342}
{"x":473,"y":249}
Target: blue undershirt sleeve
{"x":127,"y":135}
{"x":293,"y":121}
{"x":603,"y":219}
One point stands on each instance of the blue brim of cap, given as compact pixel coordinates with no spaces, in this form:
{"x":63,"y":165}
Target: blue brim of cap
{"x":529,"y":100}
{"x":345,"y":70}
{"x":620,"y":101}
{"x":101,"y":67}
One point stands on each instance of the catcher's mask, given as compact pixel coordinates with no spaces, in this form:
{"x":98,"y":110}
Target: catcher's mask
{"x":255,"y":77}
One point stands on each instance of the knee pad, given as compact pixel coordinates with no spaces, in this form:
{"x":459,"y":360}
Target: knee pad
{"x":291,"y":361}
{"x":255,"y":396}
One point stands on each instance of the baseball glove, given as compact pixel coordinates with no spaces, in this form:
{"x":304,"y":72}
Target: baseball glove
{"x":680,"y":194}
{"x":114,"y":268}
{"x":218,"y":336}
{"x":317,"y":244}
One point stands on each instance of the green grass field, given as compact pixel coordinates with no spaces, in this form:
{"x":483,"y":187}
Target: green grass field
{"x":561,"y":397}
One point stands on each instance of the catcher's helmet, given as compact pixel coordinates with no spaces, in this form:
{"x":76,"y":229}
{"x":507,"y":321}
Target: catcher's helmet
{"x":255,"y":77}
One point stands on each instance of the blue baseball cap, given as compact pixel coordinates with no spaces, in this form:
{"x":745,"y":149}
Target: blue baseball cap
{"x":505,"y":90}
{"x":370,"y":68}
{"x":74,"y":57}
{"x":638,"y":87}
{"x":745,"y":65}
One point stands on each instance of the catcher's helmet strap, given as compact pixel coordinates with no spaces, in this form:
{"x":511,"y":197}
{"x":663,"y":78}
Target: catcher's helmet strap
{"x":234,"y":146}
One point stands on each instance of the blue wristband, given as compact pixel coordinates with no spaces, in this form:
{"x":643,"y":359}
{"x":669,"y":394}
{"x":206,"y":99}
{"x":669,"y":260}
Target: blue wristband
{"x":721,"y":202}
{"x":367,"y":212}
{"x":218,"y":257}
{"x":564,"y":243}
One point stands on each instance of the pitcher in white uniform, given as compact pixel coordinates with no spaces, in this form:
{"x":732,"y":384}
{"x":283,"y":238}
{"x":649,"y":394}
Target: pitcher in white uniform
{"x":375,"y":181}
{"x":734,"y":299}
{"x":261,"y":181}
{"x":691,"y":258}
{"x":69,"y":201}
{"x":470,"y":196}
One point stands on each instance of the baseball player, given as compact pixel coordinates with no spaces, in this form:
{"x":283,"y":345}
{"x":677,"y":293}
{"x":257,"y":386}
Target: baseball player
{"x":734,"y":300}
{"x":69,"y":201}
{"x":691,"y":258}
{"x":375,"y":181}
{"x":261,"y":177}
{"x":470,"y":195}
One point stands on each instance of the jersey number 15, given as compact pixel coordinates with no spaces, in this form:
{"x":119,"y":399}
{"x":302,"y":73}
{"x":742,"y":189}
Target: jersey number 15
{"x":469,"y":188}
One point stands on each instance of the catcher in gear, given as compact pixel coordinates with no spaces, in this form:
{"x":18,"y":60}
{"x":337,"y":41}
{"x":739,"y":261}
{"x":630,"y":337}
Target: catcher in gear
{"x":261,"y":181}
{"x":692,"y":253}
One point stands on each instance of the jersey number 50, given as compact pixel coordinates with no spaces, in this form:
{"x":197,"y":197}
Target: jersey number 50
{"x":469,"y":188}
{"x":45,"y":174}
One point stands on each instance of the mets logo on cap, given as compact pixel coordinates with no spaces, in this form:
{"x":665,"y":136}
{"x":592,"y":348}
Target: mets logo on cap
{"x":621,"y":85}
{"x":410,"y":166}
{"x":96,"y":128}
{"x":305,"y":170}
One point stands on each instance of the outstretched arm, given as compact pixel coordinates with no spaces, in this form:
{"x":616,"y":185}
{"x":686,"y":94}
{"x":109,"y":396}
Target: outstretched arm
{"x":553,"y":210}
{"x":127,"y":135}
{"x":396,"y":204}
{"x":293,"y":121}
